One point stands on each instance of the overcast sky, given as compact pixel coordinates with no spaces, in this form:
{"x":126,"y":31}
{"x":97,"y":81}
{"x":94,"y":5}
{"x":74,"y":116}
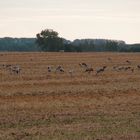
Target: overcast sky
{"x":109,"y":19}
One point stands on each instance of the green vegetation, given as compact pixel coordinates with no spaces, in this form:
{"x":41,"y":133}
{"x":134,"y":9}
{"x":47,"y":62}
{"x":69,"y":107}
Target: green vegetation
{"x":48,"y":40}
{"x":18,"y":44}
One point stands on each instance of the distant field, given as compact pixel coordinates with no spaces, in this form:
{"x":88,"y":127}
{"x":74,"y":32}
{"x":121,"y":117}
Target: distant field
{"x":39,"y":105}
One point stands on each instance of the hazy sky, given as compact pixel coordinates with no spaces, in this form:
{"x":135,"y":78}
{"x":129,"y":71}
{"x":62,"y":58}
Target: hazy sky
{"x":109,"y":19}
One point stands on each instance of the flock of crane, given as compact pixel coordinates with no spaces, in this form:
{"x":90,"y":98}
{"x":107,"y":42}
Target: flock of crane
{"x":88,"y":69}
{"x":16,"y":69}
{"x":85,"y":67}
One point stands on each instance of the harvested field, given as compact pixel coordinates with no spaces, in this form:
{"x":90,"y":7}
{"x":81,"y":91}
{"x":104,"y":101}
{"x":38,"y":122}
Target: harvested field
{"x":39,"y":105}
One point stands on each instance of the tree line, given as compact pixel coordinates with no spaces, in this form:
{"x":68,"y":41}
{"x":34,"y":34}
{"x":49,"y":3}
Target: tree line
{"x":49,"y":40}
{"x":18,"y":44}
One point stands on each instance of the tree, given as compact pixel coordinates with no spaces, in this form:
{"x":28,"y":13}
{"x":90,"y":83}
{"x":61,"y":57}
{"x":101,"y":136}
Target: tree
{"x":48,"y":40}
{"x":111,"y":46}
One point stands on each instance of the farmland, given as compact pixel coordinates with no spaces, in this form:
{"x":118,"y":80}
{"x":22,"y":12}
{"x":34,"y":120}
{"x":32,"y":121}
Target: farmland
{"x":39,"y":105}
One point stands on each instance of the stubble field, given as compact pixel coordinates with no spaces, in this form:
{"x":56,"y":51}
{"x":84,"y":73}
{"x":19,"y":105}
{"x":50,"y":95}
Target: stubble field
{"x":39,"y":105}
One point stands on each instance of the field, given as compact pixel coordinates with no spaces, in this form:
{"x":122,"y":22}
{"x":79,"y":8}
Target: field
{"x":39,"y":105}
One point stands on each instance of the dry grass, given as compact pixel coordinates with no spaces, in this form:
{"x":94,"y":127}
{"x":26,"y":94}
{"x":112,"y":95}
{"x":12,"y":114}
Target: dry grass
{"x":38,"y":105}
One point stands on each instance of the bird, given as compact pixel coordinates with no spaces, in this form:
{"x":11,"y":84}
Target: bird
{"x":49,"y":69}
{"x":83,"y":65}
{"x":71,"y":72}
{"x":59,"y":69}
{"x":16,"y":69}
{"x":89,"y":70}
{"x":127,"y":68}
{"x":101,"y":69}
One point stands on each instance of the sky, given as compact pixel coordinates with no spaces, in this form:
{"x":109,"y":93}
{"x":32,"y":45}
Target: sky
{"x":72,"y":19}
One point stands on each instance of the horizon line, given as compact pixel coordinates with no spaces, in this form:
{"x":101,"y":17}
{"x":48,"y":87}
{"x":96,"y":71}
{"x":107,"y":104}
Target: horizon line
{"x":74,"y":39}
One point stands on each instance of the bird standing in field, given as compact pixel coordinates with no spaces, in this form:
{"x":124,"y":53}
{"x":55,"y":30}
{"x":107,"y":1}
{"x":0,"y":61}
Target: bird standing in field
{"x":101,"y":70}
{"x":59,"y":69}
{"x":89,"y":70}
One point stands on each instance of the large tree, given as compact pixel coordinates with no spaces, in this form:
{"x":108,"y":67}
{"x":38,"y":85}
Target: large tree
{"x":48,"y":40}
